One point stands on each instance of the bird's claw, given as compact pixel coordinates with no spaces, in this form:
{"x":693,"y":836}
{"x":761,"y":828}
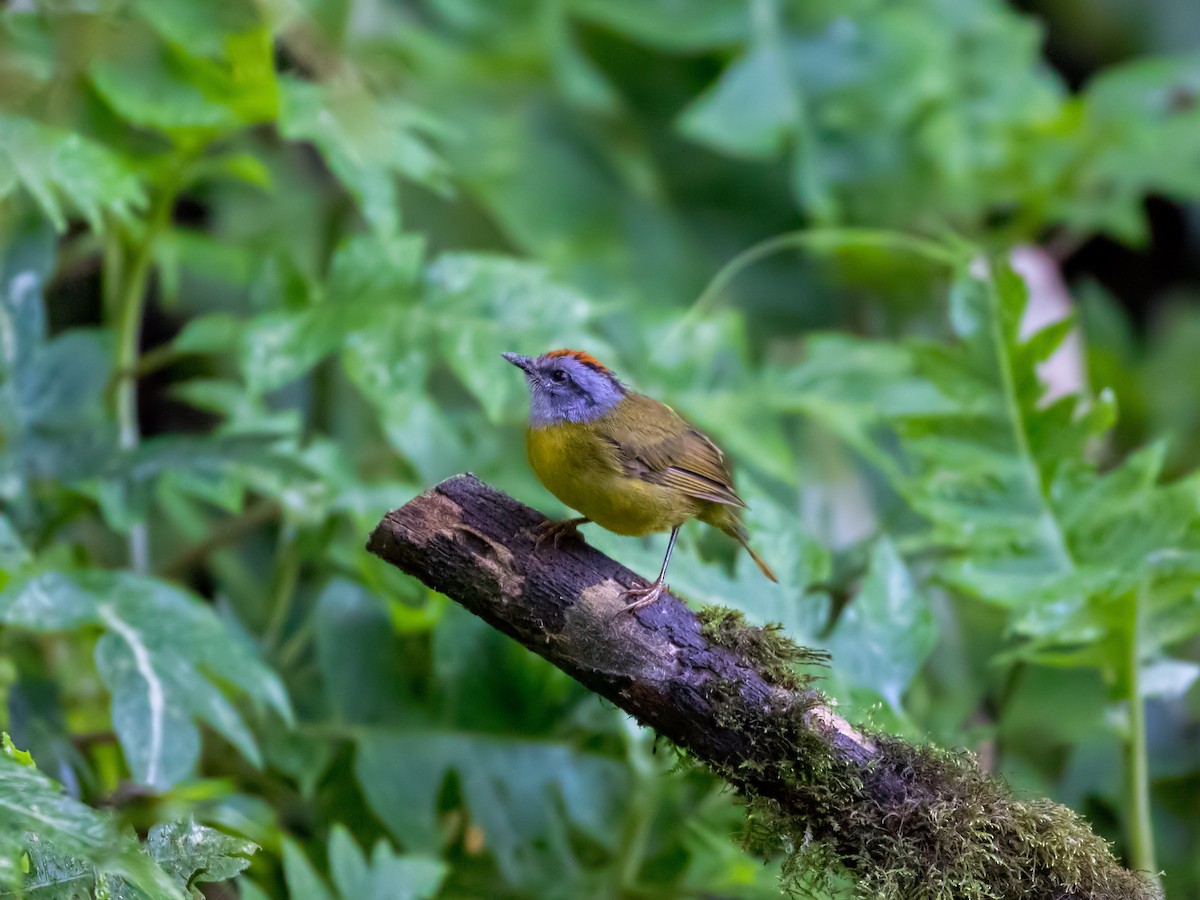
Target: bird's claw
{"x":554,"y":532}
{"x":642,"y":597}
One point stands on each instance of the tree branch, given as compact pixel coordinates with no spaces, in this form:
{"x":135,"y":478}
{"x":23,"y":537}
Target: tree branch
{"x":906,"y":821}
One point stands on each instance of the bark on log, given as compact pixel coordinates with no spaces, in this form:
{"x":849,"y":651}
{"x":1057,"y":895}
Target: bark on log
{"x":474,"y":544}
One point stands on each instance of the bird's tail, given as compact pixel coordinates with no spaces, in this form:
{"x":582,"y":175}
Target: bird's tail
{"x":732,"y":527}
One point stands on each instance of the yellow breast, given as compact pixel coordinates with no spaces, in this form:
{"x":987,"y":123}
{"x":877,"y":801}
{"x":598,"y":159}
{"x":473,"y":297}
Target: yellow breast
{"x":581,"y":468}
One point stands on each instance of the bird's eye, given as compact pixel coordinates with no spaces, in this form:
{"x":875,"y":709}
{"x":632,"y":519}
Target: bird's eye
{"x":558,"y":375}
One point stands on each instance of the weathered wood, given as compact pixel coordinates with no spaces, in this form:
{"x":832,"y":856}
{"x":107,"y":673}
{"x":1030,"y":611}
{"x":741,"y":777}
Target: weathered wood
{"x":475,"y":545}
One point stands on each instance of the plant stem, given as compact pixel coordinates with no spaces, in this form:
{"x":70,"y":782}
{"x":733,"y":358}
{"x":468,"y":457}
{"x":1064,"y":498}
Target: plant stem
{"x":127,"y":290}
{"x":1141,"y":828}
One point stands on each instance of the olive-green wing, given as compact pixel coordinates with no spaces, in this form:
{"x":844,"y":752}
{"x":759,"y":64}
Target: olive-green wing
{"x":652,"y":442}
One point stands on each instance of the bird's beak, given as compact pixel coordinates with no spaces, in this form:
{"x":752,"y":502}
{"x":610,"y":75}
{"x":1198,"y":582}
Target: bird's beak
{"x":521,"y":362}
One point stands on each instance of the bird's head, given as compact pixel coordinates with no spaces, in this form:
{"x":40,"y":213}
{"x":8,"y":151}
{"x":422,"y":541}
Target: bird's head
{"x":567,"y":386}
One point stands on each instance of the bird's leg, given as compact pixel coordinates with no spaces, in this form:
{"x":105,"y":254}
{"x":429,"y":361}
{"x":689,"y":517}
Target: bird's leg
{"x":551,"y":530}
{"x":643,"y":597}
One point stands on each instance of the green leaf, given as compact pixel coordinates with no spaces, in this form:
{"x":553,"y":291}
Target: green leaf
{"x":10,"y":751}
{"x":13,"y":553}
{"x":369,"y":275}
{"x":1005,"y":486}
{"x":1140,"y":135}
{"x":581,"y":80}
{"x":394,"y":381}
{"x":303,"y":882}
{"x":65,"y":381}
{"x":182,"y":852}
{"x":386,"y":875}
{"x":204,"y":30}
{"x":216,"y":467}
{"x":366,"y":142}
{"x":161,"y":656}
{"x":1164,"y":388}
{"x":698,"y":25}
{"x":52,"y":407}
{"x":248,"y":890}
{"x":28,"y":263}
{"x":193,"y":88}
{"x":347,"y":864}
{"x":383,"y":269}
{"x":873,"y":127}
{"x":278,"y":348}
{"x":524,"y":795}
{"x":242,"y":167}
{"x":66,"y":173}
{"x":887,"y":631}
{"x":214,"y":333}
{"x":750,"y":111}
{"x":251,"y":425}
{"x":965,"y":440}
{"x":360,"y":658}
{"x":194,"y":853}
{"x":66,"y":841}
{"x":1066,"y":706}
{"x":155,"y":90}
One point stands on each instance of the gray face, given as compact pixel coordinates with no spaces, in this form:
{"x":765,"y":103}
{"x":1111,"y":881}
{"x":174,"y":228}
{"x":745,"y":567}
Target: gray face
{"x":565,"y":389}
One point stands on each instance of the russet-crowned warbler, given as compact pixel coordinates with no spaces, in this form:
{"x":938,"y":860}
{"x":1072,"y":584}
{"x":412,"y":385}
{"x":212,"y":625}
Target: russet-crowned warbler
{"x":627,"y":462}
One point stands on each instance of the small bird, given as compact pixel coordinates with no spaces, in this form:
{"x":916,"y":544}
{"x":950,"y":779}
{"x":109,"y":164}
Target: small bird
{"x":627,"y":462}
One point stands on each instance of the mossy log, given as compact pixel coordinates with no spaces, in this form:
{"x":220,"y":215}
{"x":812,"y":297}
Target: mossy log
{"x":904,"y":821}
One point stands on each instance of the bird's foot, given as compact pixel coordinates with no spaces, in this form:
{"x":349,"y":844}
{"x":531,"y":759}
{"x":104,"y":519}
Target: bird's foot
{"x":642,"y":597}
{"x":554,"y":532}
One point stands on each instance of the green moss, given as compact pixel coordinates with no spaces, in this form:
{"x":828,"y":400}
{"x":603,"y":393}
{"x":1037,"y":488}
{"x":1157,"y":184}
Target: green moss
{"x":766,"y":648}
{"x":917,"y":823}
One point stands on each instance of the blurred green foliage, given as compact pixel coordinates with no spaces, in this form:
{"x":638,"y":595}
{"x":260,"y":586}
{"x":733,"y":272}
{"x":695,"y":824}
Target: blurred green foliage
{"x":259,"y":260}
